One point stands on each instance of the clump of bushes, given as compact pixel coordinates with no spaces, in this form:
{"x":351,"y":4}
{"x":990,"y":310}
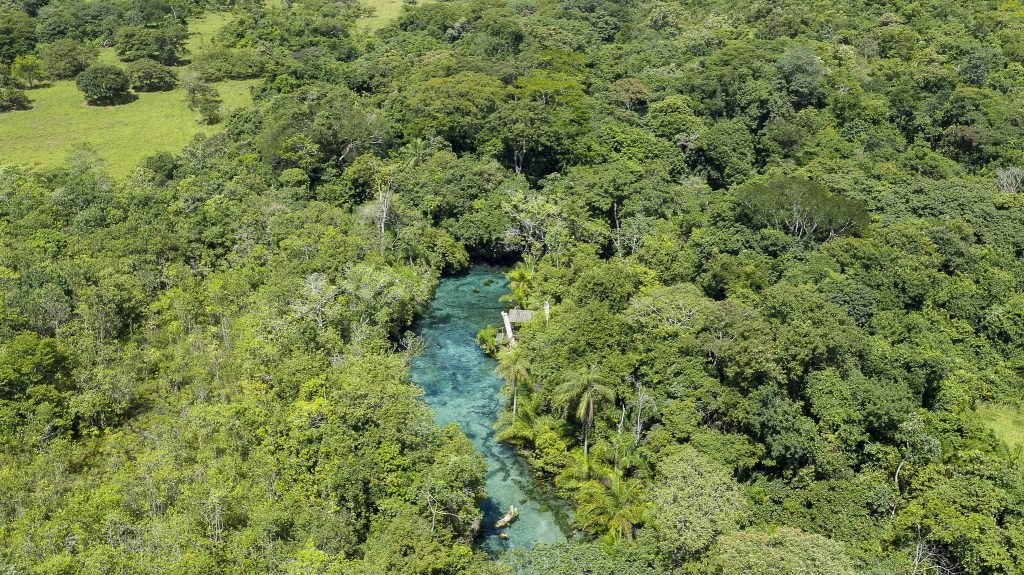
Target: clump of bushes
{"x":66,"y":58}
{"x":28,"y":69}
{"x":202,"y":98}
{"x":163,"y":43}
{"x":222,"y":63}
{"x":151,"y":76}
{"x":104,"y":85}
{"x":11,"y":97}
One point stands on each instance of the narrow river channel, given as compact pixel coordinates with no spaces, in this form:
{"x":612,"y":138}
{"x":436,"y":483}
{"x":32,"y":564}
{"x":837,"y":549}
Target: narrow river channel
{"x":462,"y":387}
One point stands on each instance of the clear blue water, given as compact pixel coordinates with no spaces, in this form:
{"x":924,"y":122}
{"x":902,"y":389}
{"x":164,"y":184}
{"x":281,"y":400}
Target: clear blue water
{"x":462,"y":387}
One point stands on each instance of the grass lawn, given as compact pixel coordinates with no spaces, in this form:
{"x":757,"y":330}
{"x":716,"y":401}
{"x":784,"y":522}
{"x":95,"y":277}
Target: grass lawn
{"x":121,"y":135}
{"x":1006,"y":421}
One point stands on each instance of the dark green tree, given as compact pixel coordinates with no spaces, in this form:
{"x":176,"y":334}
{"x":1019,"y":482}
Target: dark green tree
{"x":66,"y":58}
{"x":151,"y":76}
{"x":104,"y":85}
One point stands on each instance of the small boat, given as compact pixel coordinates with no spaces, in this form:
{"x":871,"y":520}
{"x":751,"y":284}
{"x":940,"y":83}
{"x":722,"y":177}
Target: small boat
{"x":508,"y":518}
{"x":503,"y":535}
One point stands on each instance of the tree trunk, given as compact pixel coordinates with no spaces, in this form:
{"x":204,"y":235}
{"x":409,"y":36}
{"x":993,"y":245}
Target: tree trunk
{"x":515,"y":398}
{"x":586,"y":425}
{"x":586,"y":438}
{"x":384,"y":193}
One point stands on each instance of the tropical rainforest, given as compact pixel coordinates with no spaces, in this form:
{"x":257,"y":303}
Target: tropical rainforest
{"x":782,"y":243}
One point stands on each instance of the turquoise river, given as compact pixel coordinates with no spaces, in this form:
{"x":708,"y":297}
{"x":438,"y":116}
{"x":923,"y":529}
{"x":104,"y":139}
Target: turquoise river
{"x":462,"y":387}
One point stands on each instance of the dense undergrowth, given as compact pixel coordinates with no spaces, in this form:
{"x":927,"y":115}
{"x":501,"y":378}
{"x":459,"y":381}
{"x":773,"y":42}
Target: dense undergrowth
{"x":782,"y":243}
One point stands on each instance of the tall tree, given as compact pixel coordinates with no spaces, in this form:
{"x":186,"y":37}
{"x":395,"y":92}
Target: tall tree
{"x":584,"y":389}
{"x":614,"y":510}
{"x":514,"y":367}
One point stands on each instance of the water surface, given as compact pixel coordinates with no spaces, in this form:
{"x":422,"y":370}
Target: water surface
{"x":462,"y":387}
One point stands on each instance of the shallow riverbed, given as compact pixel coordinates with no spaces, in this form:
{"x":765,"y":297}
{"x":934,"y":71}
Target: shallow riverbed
{"x":462,"y":387}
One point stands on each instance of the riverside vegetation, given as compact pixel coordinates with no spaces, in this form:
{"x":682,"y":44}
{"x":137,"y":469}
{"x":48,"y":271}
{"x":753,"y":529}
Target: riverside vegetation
{"x":781,"y":242}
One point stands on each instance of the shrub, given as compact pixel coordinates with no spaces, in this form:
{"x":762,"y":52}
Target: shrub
{"x":17,"y":32}
{"x":221,"y":63}
{"x":28,"y":69}
{"x":66,"y":58}
{"x":151,"y":76}
{"x":104,"y":85}
{"x":12,"y":98}
{"x":162,"y":44}
{"x":202,"y":98}
{"x":162,"y":164}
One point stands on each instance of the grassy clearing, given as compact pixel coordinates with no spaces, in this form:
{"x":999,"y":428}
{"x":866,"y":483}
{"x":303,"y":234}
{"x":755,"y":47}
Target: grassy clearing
{"x":121,"y":135}
{"x":203,"y":30}
{"x":109,"y":56}
{"x":384,"y":11}
{"x":124,"y":135}
{"x":1006,"y":421}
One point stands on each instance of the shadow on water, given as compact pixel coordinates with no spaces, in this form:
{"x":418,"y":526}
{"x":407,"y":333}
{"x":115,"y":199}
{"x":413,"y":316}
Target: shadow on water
{"x":462,"y":387}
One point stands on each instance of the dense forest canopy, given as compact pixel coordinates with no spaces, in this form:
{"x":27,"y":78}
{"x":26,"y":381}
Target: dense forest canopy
{"x":782,"y":242}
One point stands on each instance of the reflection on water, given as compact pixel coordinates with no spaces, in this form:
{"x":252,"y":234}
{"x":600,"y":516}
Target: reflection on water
{"x":461,"y":387}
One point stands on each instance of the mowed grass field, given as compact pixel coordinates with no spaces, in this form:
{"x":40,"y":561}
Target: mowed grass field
{"x":121,"y":135}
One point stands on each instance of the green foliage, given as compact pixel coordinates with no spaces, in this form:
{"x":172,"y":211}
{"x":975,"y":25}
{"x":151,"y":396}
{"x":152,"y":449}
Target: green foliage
{"x":202,"y":98}
{"x":104,"y":85}
{"x":694,"y":502}
{"x":571,"y":558}
{"x":726,"y":152}
{"x":454,"y":108}
{"x":782,"y":551}
{"x":801,"y":208}
{"x":28,"y":69}
{"x":487,"y":340}
{"x":673,"y":118}
{"x":579,"y":394}
{"x":66,"y":58}
{"x":780,"y":243}
{"x":162,"y":43}
{"x":17,"y":33}
{"x":222,"y":63}
{"x":613,"y":512}
{"x":151,"y":76}
{"x":11,"y":97}
{"x":804,"y":75}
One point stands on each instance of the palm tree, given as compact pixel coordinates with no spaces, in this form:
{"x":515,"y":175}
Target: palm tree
{"x":579,"y":470}
{"x":417,"y":150}
{"x":513,"y":367}
{"x":519,"y":285}
{"x":584,"y":388}
{"x":522,"y":430}
{"x":613,"y":506}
